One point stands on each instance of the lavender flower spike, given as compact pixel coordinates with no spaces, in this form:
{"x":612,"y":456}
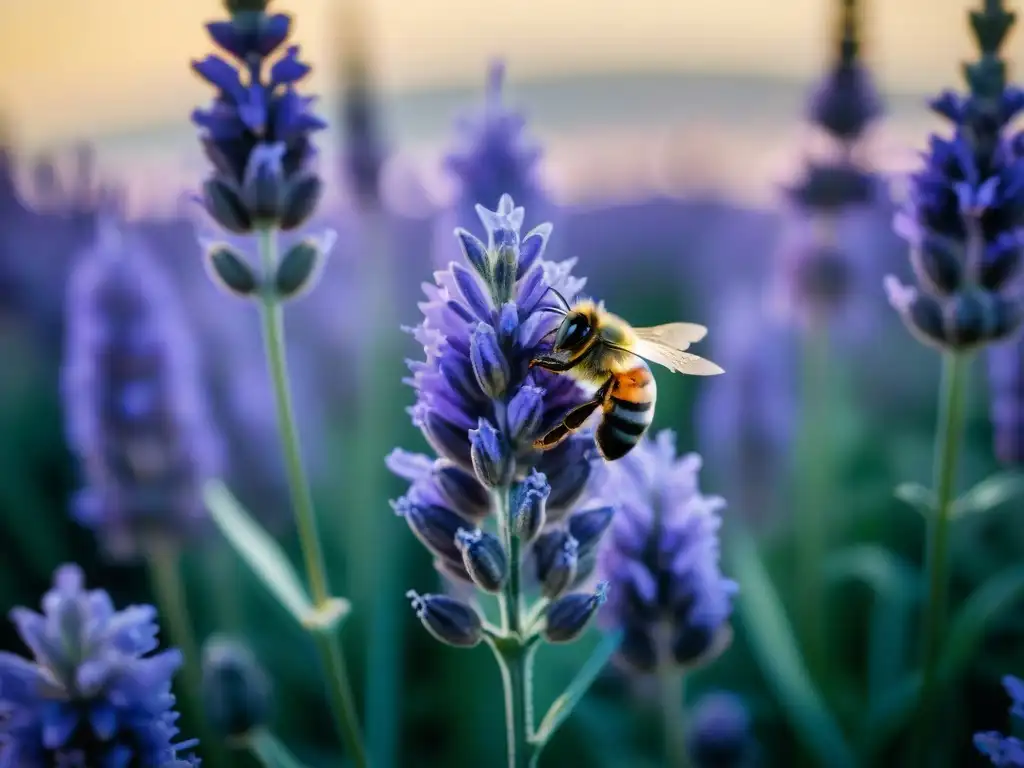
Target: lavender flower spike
{"x":95,"y":694}
{"x":481,"y":407}
{"x":257,"y":131}
{"x":661,"y":561}
{"x":136,"y":416}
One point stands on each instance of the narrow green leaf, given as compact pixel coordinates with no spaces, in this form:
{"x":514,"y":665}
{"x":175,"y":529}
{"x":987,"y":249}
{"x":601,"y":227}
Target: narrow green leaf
{"x":774,"y":646}
{"x":886,"y":573}
{"x":991,"y":492}
{"x":917,"y":496}
{"x":259,"y":551}
{"x":975,"y":616}
{"x":270,"y":751}
{"x":562,"y":707}
{"x":889,"y":714}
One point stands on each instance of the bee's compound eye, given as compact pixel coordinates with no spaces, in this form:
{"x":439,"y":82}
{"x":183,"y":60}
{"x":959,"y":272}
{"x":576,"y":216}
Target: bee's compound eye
{"x":573,"y":333}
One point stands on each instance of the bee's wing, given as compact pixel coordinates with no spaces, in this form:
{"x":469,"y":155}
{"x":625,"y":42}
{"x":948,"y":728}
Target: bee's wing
{"x":665,"y":345}
{"x":676,"y":335}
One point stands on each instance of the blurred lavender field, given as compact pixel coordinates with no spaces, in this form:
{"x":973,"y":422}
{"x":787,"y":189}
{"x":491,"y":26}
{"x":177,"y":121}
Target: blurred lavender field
{"x":736,"y":200}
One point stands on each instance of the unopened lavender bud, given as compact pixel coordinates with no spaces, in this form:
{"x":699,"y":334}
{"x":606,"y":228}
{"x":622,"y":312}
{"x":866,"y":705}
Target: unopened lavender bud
{"x":569,"y":616}
{"x":449,"y":620}
{"x":568,"y":468}
{"x":489,"y":363}
{"x":301,"y":197}
{"x":532,"y":247}
{"x":921,"y":313}
{"x":492,"y":461}
{"x":525,"y":410}
{"x":223,"y":201}
{"x":719,"y":732}
{"x":484,"y":558}
{"x":236,"y":691}
{"x":230,"y":270}
{"x":1001,"y":262}
{"x":528,"y":508}
{"x":938,"y":263}
{"x":462,"y":490}
{"x":473,"y":292}
{"x":434,"y":525}
{"x":299,"y":269}
{"x":588,"y":526}
{"x":506,"y":266}
{"x":475,"y":252}
{"x":262,"y":188}
{"x":508,"y":321}
{"x":557,"y":556}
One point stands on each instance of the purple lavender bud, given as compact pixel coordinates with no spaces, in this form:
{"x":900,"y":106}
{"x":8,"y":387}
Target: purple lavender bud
{"x":223,"y":201}
{"x":492,"y":461}
{"x":462,"y":490}
{"x":447,"y":619}
{"x":938,"y":264}
{"x":95,"y":694}
{"x":484,"y":558}
{"x":556,"y":554}
{"x":489,"y":364}
{"x":525,"y":410}
{"x":136,"y":414}
{"x":661,"y":560}
{"x":236,"y":690}
{"x":508,"y":321}
{"x":719,"y":732}
{"x":257,"y":132}
{"x":569,"y":616}
{"x":434,"y":525}
{"x":828,"y":188}
{"x":1003,"y":750}
{"x":588,"y":526}
{"x":262,"y":185}
{"x":475,"y":252}
{"x":528,"y":506}
{"x":568,"y":468}
{"x":230,"y":270}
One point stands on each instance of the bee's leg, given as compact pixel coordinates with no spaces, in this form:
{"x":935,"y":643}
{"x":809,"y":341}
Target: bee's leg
{"x":552,"y":363}
{"x":573,"y":420}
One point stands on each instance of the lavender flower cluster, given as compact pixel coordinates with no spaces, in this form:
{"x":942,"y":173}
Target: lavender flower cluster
{"x":1005,"y":751}
{"x":481,"y":407}
{"x":94,"y":695}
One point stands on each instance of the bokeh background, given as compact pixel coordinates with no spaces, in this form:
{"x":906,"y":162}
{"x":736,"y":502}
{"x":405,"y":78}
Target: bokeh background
{"x":668,"y":132}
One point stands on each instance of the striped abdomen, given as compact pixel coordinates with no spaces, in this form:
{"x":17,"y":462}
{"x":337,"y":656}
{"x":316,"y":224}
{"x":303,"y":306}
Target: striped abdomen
{"x":628,"y":412}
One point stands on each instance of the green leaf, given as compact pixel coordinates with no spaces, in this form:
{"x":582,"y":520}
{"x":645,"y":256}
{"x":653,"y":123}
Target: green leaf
{"x":917,"y":496}
{"x":259,"y":551}
{"x":991,"y":492}
{"x":562,"y":707}
{"x":270,"y":751}
{"x":774,"y":646}
{"x":975,"y":616}
{"x":887,"y":574}
{"x":963,"y":638}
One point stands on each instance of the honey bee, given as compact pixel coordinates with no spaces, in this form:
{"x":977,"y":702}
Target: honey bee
{"x":600,"y":349}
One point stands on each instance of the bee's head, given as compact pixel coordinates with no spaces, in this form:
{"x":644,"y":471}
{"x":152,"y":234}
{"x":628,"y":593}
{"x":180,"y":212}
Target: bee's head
{"x":575,"y":331}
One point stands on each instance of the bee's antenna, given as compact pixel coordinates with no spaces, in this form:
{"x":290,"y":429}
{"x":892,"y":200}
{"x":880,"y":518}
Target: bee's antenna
{"x":563,"y":310}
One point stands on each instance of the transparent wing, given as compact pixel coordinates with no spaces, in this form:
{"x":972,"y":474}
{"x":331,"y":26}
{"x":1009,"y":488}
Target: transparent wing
{"x":675,"y":359}
{"x":675,"y":335}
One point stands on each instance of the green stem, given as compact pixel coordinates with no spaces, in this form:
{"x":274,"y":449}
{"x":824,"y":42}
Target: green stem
{"x":813,"y":502}
{"x":670,"y":689}
{"x":271,"y":753}
{"x":165,"y":575}
{"x":947,"y":443}
{"x":514,"y":657}
{"x":328,"y":646}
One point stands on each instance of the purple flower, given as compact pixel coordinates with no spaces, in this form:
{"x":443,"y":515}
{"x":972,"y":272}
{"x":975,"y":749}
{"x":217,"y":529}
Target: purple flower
{"x":965,"y":210}
{"x":136,"y":415}
{"x":480,"y":406}
{"x":94,"y":694}
{"x":666,"y":591}
{"x":257,"y":132}
{"x":719,"y":732}
{"x":1005,"y":751}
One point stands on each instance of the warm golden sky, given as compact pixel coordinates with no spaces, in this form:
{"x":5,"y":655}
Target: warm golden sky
{"x":85,"y":67}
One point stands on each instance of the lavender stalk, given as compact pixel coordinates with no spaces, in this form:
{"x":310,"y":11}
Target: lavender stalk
{"x":257,"y":136}
{"x":497,"y":515}
{"x":963,"y":222}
